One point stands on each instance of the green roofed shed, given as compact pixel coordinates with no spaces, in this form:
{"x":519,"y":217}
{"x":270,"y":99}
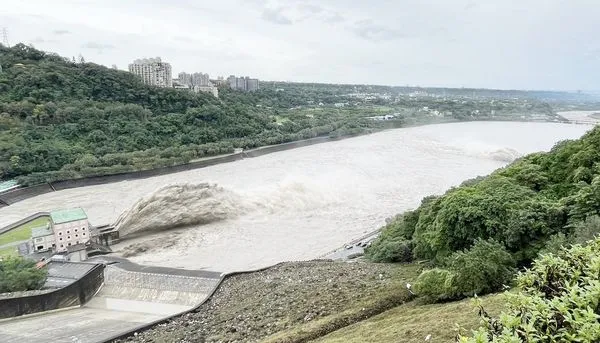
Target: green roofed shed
{"x":68,"y":215}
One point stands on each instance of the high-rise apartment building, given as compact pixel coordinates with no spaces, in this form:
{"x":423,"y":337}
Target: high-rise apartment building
{"x":195,"y":79}
{"x":245,"y":84}
{"x":152,"y":71}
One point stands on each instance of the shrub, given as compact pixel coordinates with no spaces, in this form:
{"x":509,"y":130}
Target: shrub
{"x":390,"y":251}
{"x":19,"y":274}
{"x":555,"y":243}
{"x":435,"y":285}
{"x":558,"y":302}
{"x":587,"y":230}
{"x":482,"y":269}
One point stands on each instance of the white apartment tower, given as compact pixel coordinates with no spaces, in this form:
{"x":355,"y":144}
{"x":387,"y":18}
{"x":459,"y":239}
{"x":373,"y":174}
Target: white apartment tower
{"x":152,"y":71}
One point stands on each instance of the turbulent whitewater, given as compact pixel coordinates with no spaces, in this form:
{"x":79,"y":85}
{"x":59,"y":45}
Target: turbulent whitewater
{"x":296,"y":204}
{"x":179,"y":205}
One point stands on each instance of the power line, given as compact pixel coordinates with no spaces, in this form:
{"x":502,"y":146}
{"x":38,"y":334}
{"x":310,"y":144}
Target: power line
{"x":5,"y":37}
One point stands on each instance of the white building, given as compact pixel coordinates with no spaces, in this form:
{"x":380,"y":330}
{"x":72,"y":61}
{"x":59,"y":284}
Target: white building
{"x":195,"y":79}
{"x":207,"y":89}
{"x":43,"y":238}
{"x":153,"y":71}
{"x":70,"y":227}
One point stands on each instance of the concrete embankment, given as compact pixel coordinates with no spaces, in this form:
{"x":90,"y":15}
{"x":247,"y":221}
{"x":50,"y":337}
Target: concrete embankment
{"x":132,"y":296}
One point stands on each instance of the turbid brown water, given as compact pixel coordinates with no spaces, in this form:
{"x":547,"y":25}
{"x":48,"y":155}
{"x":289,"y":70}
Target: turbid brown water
{"x":296,"y":204}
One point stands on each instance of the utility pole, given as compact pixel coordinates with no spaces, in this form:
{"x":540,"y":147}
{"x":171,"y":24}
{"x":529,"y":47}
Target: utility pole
{"x":5,"y":37}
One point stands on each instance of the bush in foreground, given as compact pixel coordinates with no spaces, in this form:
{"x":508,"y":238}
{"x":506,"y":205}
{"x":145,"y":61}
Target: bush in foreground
{"x":18,"y":274}
{"x":486,"y":267}
{"x":559,"y":301}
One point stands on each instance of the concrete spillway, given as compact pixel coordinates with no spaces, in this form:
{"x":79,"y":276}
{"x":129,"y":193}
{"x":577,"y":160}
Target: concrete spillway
{"x":128,"y":299}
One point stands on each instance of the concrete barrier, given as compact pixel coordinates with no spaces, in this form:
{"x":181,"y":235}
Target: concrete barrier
{"x":20,"y":194}
{"x":23,"y":221}
{"x":75,"y":294}
{"x":148,"y":326}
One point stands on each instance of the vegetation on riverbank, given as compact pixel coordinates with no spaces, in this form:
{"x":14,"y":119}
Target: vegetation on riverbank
{"x":64,"y":120}
{"x":558,"y":301}
{"x":19,"y":274}
{"x":539,"y":202}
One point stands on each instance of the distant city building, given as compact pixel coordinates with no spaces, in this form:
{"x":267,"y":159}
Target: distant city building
{"x":207,"y":89}
{"x":153,"y":71}
{"x":245,"y":84}
{"x":195,"y":79}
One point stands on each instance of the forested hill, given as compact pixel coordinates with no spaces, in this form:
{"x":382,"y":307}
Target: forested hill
{"x":538,"y":202}
{"x":41,"y":77}
{"x":61,"y":120}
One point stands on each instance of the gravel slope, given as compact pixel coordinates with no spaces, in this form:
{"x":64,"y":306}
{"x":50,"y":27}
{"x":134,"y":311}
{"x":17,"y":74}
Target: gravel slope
{"x":316,"y":297}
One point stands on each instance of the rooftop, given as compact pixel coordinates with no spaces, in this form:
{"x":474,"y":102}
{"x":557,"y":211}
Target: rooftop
{"x":68,"y":215}
{"x":41,"y":231}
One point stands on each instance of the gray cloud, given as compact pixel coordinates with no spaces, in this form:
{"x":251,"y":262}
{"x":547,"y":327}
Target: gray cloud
{"x":97,"y":46}
{"x":369,"y":30}
{"x":61,"y":32}
{"x":276,"y":16}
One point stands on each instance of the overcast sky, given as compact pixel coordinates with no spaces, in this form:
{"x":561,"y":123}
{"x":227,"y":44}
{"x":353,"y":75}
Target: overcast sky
{"x":524,"y":44}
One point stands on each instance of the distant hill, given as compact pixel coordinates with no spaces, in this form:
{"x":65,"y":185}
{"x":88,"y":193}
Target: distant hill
{"x":63,"y":120}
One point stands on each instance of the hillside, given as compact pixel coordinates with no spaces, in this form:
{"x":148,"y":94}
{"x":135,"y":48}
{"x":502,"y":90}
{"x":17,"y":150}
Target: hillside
{"x":476,"y":233}
{"x":63,"y":120}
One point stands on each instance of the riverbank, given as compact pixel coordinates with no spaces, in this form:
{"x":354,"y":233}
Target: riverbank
{"x":19,"y":194}
{"x":15,"y":195}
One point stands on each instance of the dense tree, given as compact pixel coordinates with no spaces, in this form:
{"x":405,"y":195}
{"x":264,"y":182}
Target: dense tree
{"x":521,"y":206}
{"x":19,"y":274}
{"x":61,"y":119}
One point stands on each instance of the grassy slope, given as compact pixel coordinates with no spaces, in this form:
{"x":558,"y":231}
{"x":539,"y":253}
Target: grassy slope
{"x":412,"y":323}
{"x":9,"y":251}
{"x":22,"y":232}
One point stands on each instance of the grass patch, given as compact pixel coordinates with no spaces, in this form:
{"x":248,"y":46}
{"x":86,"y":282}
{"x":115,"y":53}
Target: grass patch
{"x":9,"y":251}
{"x":413,"y":322}
{"x":22,"y":232}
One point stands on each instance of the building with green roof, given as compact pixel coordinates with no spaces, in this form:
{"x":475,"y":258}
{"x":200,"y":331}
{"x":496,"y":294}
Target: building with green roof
{"x":68,"y":215}
{"x":70,"y":227}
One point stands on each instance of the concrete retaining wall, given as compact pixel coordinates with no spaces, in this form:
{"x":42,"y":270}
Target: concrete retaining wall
{"x":19,"y":194}
{"x":75,"y":294}
{"x":23,"y":221}
{"x":194,"y":309}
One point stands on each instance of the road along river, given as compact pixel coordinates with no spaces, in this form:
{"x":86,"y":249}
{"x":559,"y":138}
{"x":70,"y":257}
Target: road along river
{"x":295,"y":204}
